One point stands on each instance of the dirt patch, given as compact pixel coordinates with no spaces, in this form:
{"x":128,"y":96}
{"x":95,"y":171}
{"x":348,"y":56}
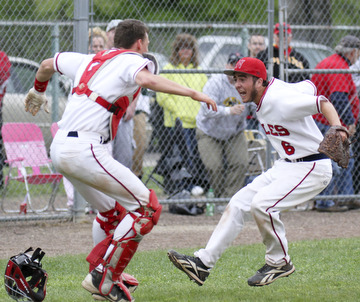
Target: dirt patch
{"x":172,"y":231}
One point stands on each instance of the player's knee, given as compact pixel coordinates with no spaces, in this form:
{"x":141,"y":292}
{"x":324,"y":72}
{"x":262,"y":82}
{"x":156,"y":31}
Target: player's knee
{"x":155,"y":206}
{"x":257,"y":207}
{"x":149,"y":215}
{"x":109,"y":220}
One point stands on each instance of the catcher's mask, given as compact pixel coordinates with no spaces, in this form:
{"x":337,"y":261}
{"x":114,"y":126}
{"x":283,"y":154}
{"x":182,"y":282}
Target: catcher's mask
{"x":25,"y":280}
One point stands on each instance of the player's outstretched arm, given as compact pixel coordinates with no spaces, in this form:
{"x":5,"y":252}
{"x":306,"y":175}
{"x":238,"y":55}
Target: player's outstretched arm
{"x":330,"y":113}
{"x":36,"y":95}
{"x":160,"y":84}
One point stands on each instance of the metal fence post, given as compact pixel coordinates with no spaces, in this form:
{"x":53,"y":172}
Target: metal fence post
{"x":55,"y":81}
{"x":81,"y":25}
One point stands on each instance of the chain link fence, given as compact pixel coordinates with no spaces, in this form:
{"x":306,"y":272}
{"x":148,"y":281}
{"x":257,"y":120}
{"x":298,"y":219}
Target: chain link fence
{"x":171,"y":155}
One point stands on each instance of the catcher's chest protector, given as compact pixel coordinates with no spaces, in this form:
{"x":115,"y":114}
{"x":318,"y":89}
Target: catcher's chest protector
{"x":118,"y":107}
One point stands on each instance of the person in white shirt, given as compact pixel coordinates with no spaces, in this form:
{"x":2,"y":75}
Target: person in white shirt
{"x":220,"y":135}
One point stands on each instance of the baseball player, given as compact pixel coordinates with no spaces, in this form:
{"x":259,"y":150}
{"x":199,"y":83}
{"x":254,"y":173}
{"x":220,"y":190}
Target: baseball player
{"x":104,"y":85}
{"x":285,"y":112}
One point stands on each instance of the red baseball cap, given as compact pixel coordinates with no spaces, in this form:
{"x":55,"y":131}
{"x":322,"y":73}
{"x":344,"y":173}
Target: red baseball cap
{"x":251,"y":66}
{"x":285,"y":26}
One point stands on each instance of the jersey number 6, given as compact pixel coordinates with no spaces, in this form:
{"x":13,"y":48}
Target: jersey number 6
{"x":289,"y":150}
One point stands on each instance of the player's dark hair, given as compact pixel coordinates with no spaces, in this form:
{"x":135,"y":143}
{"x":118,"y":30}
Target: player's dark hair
{"x":128,"y":32}
{"x":264,"y":83}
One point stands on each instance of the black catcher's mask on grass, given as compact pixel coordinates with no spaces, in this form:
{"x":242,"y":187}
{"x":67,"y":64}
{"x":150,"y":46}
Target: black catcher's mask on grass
{"x":25,"y":280}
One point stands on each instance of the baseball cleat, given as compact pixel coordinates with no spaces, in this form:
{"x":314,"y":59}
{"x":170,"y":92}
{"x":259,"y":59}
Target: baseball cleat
{"x":92,"y":283}
{"x":268,"y":274}
{"x":192,"y":266}
{"x":129,"y":281}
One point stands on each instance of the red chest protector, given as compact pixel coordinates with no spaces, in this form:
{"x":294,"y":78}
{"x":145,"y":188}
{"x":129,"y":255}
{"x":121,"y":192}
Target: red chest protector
{"x":118,"y":107}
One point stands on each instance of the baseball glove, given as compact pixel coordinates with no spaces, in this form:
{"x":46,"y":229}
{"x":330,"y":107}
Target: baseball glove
{"x":335,"y":147}
{"x":34,"y":100}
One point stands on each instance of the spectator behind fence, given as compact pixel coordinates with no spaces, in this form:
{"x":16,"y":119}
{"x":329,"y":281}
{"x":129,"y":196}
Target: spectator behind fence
{"x":142,"y":112}
{"x":97,"y":40}
{"x":255,"y":45}
{"x":341,"y":91}
{"x":5,"y":67}
{"x":293,"y":59}
{"x":185,"y":55}
{"x":110,"y":32}
{"x":356,"y":143}
{"x":97,"y":43}
{"x":221,"y":140}
{"x":123,"y":144}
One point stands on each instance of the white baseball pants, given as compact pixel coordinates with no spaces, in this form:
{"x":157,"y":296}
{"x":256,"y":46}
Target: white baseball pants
{"x":97,"y":176}
{"x":284,"y":186}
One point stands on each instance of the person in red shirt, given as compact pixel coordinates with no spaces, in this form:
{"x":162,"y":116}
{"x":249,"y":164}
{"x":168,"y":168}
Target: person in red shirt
{"x":340,"y":89}
{"x":293,"y":58}
{"x":5,"y":66}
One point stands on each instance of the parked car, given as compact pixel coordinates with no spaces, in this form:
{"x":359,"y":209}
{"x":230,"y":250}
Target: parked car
{"x":214,"y":50}
{"x":21,"y":80}
{"x":161,"y":58}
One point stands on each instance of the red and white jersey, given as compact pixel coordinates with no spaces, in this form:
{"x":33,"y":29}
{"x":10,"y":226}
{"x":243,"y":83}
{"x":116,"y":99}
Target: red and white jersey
{"x":285,"y":113}
{"x":114,"y":80}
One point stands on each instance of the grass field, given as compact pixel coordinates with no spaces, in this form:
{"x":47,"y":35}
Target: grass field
{"x":326,"y":270}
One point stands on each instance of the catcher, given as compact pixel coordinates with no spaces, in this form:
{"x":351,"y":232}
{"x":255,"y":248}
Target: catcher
{"x":104,"y":86}
{"x":285,"y":111}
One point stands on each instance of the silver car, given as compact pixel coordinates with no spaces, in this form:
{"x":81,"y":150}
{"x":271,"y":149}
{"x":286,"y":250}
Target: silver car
{"x":215,"y":50}
{"x":21,"y":80}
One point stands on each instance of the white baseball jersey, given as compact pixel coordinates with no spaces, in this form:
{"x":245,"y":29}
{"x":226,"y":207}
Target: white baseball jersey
{"x":115,"y":80}
{"x":285,"y":113}
{"x":78,"y":150}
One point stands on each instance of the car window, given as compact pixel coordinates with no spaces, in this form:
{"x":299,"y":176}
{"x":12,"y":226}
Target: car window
{"x":204,"y":48}
{"x":21,"y":78}
{"x":314,"y":55}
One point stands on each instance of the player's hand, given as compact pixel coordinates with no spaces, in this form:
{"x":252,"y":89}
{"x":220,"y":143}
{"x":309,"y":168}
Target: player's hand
{"x":352,"y":129}
{"x":202,"y":97}
{"x":34,"y":100}
{"x":237,"y":109}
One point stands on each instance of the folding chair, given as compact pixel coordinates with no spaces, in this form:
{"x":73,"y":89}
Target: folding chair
{"x":28,"y":163}
{"x":54,"y":128}
{"x":257,"y":152}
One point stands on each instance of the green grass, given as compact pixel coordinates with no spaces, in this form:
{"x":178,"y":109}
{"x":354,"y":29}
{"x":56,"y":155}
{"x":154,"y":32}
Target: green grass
{"x":326,"y":270}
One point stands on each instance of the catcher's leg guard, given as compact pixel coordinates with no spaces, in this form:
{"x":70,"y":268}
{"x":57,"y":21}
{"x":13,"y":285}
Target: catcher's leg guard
{"x":122,"y":249}
{"x":109,"y":220}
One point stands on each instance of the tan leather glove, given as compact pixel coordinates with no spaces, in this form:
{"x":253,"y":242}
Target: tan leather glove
{"x":34,"y":100}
